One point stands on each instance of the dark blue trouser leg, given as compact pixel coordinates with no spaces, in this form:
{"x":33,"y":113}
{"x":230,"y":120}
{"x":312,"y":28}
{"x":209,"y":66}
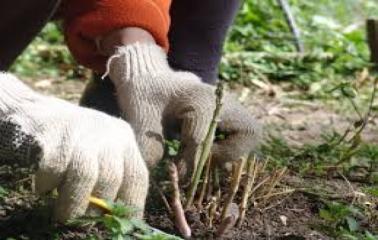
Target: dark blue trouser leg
{"x":197,"y":34}
{"x":20,"y":22}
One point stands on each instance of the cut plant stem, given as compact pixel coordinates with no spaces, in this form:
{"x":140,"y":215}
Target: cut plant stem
{"x":217,"y":189}
{"x":204,"y":183}
{"x":251,"y":176}
{"x":178,"y":211}
{"x":205,"y":146}
{"x":287,"y":191}
{"x":212,"y":210}
{"x":229,"y":221}
{"x":236,"y":176}
{"x":214,"y":202}
{"x":260,"y":184}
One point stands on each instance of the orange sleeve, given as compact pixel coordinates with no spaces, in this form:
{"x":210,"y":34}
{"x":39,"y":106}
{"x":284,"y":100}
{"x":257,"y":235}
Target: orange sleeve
{"x":84,"y":20}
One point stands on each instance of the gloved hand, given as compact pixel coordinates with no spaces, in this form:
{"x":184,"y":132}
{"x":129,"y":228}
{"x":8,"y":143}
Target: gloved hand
{"x":152,"y":96}
{"x":80,"y":151}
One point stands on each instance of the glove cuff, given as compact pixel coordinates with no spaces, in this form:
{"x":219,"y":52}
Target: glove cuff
{"x":137,"y":60}
{"x":14,"y":93}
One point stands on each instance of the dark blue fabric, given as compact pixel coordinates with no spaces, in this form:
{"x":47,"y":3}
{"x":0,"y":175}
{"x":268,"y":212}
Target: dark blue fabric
{"x":197,"y":34}
{"x":20,"y":22}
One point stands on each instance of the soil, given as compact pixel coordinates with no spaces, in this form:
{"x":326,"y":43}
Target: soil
{"x":293,"y":216}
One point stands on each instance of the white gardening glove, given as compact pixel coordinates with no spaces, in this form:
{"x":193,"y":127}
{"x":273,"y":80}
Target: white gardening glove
{"x":151,"y":96}
{"x":79,"y":151}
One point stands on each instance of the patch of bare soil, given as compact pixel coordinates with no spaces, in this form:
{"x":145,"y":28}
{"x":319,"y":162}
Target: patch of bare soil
{"x":300,"y":121}
{"x":70,"y":90}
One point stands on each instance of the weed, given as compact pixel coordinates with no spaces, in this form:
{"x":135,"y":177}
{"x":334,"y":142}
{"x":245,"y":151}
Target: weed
{"x":333,"y":33}
{"x":119,"y":223}
{"x":3,"y":192}
{"x":343,"y":221}
{"x":318,"y":158}
{"x":372,"y":191}
{"x":48,"y":56}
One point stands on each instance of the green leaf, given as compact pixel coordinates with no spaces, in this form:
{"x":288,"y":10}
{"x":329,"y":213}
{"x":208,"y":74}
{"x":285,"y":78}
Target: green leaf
{"x":141,"y":225}
{"x":352,"y":224}
{"x":117,"y":237}
{"x":326,"y":215}
{"x":3,"y":192}
{"x":349,"y":236}
{"x":173,"y":147}
{"x":120,"y":209}
{"x":369,"y":236}
{"x":124,"y":225}
{"x":373,"y":191}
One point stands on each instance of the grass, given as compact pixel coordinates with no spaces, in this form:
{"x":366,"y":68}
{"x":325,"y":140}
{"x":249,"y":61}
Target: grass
{"x":333,"y":33}
{"x":318,"y":158}
{"x":48,"y":56}
{"x":343,"y":221}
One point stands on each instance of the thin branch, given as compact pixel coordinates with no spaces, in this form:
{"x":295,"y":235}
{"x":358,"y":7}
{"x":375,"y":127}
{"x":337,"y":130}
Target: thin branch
{"x":163,"y":197}
{"x":274,"y":181}
{"x":212,"y":210}
{"x":284,"y":5}
{"x":251,"y":175}
{"x":236,"y":177}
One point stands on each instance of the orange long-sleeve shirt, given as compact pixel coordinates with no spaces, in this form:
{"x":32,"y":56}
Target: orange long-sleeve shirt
{"x":84,"y":20}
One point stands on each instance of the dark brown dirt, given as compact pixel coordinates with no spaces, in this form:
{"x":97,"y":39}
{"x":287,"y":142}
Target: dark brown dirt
{"x":292,"y":216}
{"x":298,"y":209}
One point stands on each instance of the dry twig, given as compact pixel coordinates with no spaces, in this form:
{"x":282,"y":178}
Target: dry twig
{"x":163,"y":198}
{"x":251,"y":176}
{"x":212,"y":210}
{"x":236,"y":177}
{"x":275,"y":179}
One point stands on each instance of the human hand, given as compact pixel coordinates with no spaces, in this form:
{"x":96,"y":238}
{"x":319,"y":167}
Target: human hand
{"x":152,"y":96}
{"x":79,"y":151}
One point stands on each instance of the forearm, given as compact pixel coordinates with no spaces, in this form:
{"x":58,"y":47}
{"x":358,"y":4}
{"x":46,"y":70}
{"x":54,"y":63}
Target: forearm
{"x":87,"y":20}
{"x":108,"y":43}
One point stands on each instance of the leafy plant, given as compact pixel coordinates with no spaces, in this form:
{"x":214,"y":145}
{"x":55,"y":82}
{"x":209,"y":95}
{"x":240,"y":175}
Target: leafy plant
{"x":342,"y":221}
{"x":48,"y":56}
{"x":318,"y":158}
{"x":120,"y":224}
{"x":172,"y":147}
{"x":333,"y":33}
{"x":3,"y":192}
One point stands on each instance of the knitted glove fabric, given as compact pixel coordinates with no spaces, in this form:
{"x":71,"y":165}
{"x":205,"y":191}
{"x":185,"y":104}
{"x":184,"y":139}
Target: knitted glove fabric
{"x":152,"y":96}
{"x":79,"y":151}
